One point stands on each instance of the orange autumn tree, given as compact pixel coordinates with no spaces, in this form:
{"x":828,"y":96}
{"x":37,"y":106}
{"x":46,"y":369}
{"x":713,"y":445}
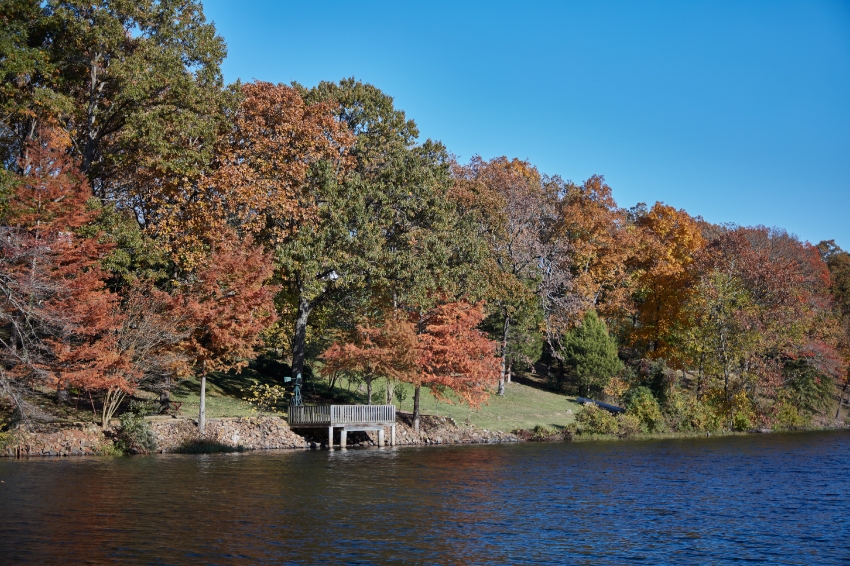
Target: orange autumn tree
{"x":516,"y":213}
{"x":791,"y":313}
{"x":259,"y":177}
{"x":376,"y":349}
{"x":224,"y":308}
{"x":442,"y":350}
{"x":455,"y":355}
{"x":599,"y":242}
{"x":663,"y":267}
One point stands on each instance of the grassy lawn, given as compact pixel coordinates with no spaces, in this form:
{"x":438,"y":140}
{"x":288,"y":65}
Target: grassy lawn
{"x":224,"y":395}
{"x":523,"y":406}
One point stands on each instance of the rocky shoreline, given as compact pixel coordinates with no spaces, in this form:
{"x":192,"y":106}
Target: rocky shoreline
{"x":175,"y":435}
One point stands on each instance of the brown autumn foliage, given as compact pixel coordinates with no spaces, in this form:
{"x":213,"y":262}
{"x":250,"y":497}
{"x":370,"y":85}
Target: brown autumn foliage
{"x":444,"y":350}
{"x":225,"y":306}
{"x":259,"y":176}
{"x":455,"y":355}
{"x":387,"y":349}
{"x":62,"y":326}
{"x":788,"y":283}
{"x":60,"y":316}
{"x":517,"y":214}
{"x":600,"y":242}
{"x":668,"y":240}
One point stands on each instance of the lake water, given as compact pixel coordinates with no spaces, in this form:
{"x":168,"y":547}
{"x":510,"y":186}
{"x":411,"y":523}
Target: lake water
{"x":777,"y":498}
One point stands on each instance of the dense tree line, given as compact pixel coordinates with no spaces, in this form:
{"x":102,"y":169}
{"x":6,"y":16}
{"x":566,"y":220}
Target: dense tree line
{"x":158,"y":223}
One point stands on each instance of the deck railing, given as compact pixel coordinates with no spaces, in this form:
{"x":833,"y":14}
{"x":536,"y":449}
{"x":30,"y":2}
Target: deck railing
{"x":329,"y":415}
{"x":309,"y":414}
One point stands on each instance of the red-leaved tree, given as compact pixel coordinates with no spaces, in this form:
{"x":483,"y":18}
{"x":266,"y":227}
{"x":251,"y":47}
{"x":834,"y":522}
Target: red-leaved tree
{"x":376,"y":349}
{"x":454,"y":354}
{"x":224,"y":308}
{"x":444,"y":350}
{"x":59,"y":319}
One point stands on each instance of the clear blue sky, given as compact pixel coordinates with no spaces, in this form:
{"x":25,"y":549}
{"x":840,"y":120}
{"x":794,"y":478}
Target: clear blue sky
{"x":736,"y":111}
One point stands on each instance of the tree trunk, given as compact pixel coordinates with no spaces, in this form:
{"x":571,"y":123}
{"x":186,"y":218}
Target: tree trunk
{"x":840,"y":399}
{"x":164,"y":401}
{"x":300,"y":341}
{"x":111,"y":402}
{"x":504,"y":356}
{"x":416,"y":396}
{"x":202,"y":412}
{"x":510,"y":371}
{"x":369,"y":390}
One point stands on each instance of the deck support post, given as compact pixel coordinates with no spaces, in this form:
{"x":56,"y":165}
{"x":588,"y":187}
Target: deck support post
{"x":392,"y":435}
{"x":342,"y":438}
{"x":381,"y":437}
{"x":330,"y":438}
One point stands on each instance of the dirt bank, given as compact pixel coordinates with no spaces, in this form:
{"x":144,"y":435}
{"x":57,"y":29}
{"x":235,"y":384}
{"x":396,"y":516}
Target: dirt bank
{"x":238,"y":433}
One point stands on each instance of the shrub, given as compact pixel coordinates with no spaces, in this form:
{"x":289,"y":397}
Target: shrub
{"x":628,"y":425}
{"x":593,"y":420}
{"x":660,"y":380}
{"x":615,"y":389}
{"x":788,"y":416}
{"x":641,"y":403}
{"x":685,"y":413}
{"x":135,"y":435}
{"x":743,"y":416}
{"x":540,"y":433}
{"x":265,"y":396}
{"x":145,"y":408}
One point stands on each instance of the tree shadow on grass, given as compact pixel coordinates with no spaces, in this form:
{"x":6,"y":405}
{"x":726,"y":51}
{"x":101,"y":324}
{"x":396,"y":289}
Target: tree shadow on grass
{"x":270,"y":372}
{"x":229,"y":384}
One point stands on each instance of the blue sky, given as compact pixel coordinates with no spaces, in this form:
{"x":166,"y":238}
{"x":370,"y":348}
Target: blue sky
{"x":736,"y":111}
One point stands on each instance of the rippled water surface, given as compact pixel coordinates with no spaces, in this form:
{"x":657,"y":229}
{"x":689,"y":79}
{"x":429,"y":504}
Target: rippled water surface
{"x":763,"y":498}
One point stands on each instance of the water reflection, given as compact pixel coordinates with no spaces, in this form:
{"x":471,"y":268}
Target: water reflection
{"x":771,"y":498}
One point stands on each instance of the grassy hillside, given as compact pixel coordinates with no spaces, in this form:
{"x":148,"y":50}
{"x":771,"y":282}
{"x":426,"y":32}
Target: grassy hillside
{"x":523,"y":406}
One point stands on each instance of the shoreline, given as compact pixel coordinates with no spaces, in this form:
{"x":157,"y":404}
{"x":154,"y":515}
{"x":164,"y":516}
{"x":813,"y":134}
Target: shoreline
{"x":249,"y":434}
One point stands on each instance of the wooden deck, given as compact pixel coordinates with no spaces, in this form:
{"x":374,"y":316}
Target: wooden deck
{"x":345,"y":417}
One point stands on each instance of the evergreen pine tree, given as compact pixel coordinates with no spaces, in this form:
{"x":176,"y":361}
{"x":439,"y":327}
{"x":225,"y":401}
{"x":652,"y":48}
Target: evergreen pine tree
{"x":591,"y":354}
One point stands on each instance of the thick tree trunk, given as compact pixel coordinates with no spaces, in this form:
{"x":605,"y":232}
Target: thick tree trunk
{"x":202,"y":412}
{"x":504,"y":355}
{"x":416,"y":395}
{"x":369,"y":390}
{"x":300,"y":341}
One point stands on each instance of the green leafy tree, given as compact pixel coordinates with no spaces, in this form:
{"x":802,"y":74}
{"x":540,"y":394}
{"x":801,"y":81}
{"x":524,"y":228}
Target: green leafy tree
{"x":591,"y":354}
{"x":386,"y":235}
{"x":136,"y":85}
